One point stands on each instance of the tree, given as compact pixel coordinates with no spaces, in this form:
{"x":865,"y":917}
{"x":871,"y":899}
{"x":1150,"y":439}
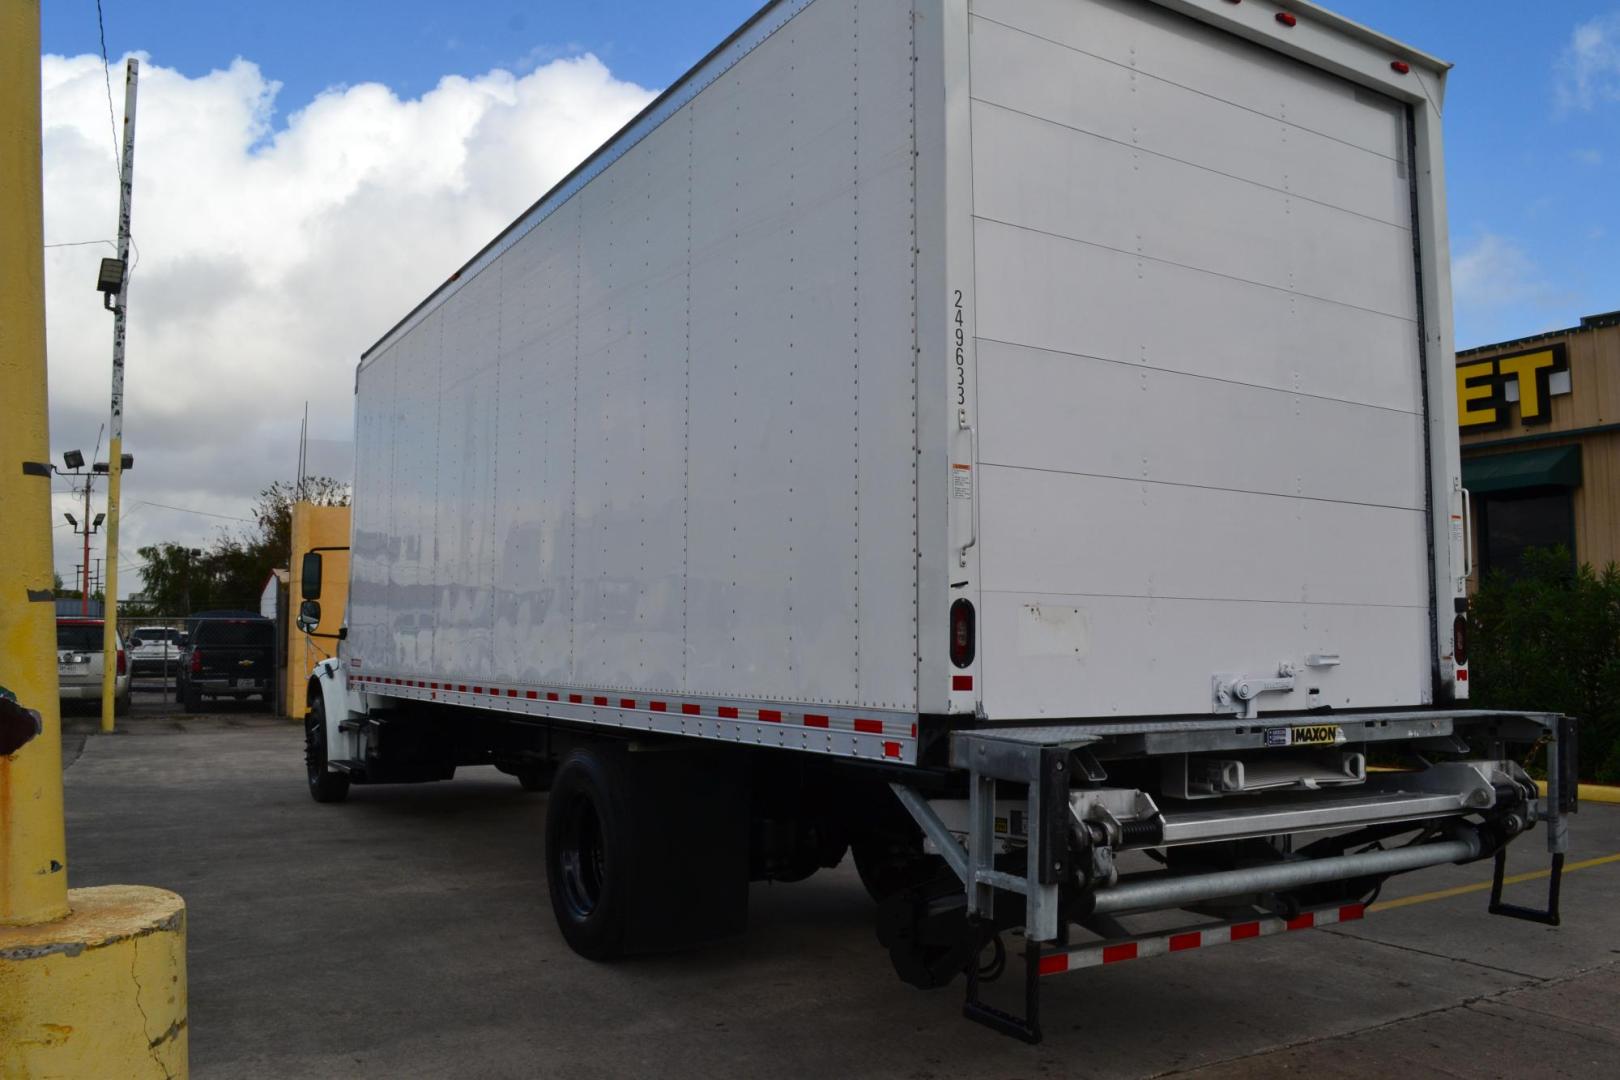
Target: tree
{"x":273,"y":511}
{"x":232,"y":571}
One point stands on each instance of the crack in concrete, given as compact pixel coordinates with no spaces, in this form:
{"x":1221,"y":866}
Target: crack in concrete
{"x":151,"y":1044}
{"x":78,"y":749}
{"x":1425,"y":952}
{"x":1535,"y":983}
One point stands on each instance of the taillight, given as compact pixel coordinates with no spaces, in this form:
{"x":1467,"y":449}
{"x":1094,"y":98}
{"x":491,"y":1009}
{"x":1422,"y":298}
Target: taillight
{"x":1286,"y":19}
{"x":962,"y":633}
{"x":123,"y":664}
{"x":196,"y":661}
{"x":1459,"y":639}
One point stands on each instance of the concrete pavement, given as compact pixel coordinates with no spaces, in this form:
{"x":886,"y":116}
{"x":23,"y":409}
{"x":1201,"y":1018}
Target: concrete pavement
{"x":406,"y":934}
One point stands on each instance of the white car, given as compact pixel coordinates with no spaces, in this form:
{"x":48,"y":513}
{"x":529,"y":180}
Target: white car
{"x":154,"y":650}
{"x":79,"y":663}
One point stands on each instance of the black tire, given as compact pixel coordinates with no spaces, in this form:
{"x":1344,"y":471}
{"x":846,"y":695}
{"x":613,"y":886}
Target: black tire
{"x":325,"y":786}
{"x":193,"y":700}
{"x":588,"y":857}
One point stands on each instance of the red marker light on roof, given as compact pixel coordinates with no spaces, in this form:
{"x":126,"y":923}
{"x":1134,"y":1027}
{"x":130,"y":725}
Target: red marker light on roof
{"x":1286,"y":19}
{"x":1400,"y":67}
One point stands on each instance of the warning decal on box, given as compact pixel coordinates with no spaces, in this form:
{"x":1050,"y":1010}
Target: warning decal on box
{"x":961,"y":481}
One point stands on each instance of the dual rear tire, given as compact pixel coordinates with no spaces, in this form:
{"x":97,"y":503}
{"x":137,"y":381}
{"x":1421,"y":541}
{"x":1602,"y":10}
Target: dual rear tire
{"x":646,"y":851}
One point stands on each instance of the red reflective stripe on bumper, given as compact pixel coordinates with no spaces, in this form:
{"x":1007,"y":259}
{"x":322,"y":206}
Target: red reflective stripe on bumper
{"x":774,"y":716}
{"x":1113,"y":954}
{"x":726,"y":712}
{"x":870,"y":727}
{"x":692,"y":710}
{"x":1352,"y":912}
{"x":658,"y":706}
{"x":1302,"y":922}
{"x":1179,"y":942}
{"x":1055,"y":964}
{"x":1245,"y":930}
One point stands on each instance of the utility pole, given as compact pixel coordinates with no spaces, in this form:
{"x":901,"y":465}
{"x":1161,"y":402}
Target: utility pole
{"x":84,"y":594}
{"x":115,"y":447}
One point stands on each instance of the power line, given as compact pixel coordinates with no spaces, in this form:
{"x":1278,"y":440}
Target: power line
{"x":188,"y":510}
{"x":81,"y":243}
{"x":106,"y":71}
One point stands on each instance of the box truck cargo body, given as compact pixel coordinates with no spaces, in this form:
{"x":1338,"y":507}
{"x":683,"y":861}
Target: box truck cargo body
{"x":957,"y":391}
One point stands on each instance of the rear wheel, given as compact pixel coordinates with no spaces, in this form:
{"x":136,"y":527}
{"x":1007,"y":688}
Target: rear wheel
{"x":647,"y":851}
{"x":325,"y":786}
{"x":193,"y":700}
{"x":587,"y":861}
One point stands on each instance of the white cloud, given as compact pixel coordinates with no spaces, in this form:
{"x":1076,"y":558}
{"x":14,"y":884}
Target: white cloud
{"x":1494,"y":271}
{"x":1588,"y":72}
{"x":271,"y":256}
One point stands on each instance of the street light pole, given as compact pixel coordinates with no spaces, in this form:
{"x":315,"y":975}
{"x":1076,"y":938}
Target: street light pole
{"x":115,"y":448}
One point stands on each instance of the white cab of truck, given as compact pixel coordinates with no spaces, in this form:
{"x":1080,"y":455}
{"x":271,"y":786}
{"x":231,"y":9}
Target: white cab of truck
{"x":985,"y":431}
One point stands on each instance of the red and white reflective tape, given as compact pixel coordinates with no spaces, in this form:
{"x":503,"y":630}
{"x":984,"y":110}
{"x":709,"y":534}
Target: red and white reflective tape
{"x":1112,"y":952}
{"x":896,"y":734}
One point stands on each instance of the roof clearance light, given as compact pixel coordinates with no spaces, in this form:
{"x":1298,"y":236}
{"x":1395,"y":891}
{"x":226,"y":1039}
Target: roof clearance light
{"x":1400,"y":67}
{"x":1286,"y":19}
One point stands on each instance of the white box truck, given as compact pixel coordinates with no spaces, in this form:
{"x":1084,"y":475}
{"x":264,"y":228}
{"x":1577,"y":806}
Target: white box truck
{"x":1013,"y":441}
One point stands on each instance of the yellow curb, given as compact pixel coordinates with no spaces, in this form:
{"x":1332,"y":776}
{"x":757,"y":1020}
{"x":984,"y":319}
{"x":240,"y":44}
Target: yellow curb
{"x":1599,"y":793}
{"x":1481,"y":886}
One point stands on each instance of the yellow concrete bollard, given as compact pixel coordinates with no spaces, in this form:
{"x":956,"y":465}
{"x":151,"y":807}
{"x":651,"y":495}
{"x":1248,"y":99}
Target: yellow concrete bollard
{"x":101,"y":993}
{"x":92,"y":981}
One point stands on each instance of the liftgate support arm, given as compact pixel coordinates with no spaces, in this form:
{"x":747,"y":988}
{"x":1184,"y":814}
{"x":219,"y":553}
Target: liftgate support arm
{"x":1044,"y":769}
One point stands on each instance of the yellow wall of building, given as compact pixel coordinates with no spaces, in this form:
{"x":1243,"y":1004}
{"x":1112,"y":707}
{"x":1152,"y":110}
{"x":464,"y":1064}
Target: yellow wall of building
{"x":1589,"y":415}
{"x":315,"y":527}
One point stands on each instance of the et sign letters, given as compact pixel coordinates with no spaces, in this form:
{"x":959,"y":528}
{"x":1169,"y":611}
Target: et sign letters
{"x":1485,"y":388}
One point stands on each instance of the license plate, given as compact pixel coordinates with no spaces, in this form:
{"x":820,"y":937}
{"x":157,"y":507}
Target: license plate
{"x":244,"y":684}
{"x":1305,"y":735}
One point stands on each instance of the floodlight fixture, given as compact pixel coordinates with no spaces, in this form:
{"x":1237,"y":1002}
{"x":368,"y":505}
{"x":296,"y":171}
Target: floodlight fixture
{"x":73,"y":521}
{"x":110,"y":279}
{"x":73,"y":459}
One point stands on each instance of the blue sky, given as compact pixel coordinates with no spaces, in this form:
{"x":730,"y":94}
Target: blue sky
{"x":1534,"y":172}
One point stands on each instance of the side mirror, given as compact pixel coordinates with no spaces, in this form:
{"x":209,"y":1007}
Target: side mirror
{"x":310,"y":573}
{"x":135,"y":642}
{"x":309,"y":616}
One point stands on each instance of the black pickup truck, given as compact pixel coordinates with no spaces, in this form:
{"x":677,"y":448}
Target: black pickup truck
{"x":231,"y":657}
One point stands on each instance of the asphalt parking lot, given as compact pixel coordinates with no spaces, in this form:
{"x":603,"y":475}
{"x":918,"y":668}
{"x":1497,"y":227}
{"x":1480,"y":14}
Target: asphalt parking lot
{"x":406,"y":934}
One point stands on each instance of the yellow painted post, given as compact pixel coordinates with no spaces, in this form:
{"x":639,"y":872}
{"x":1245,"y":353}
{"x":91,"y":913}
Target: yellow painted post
{"x":33,"y":849}
{"x":92,"y":981}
